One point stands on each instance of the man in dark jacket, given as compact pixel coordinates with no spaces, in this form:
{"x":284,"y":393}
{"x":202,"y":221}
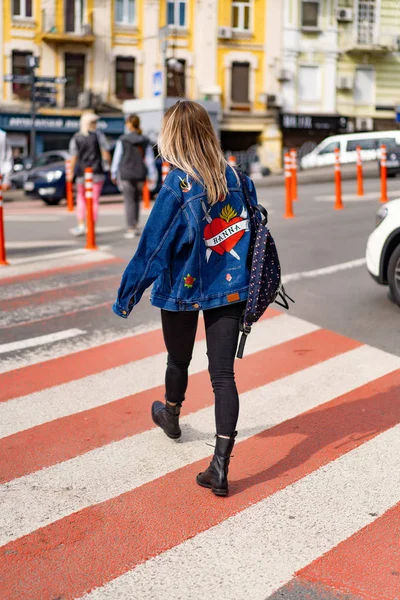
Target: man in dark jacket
{"x":132,"y":164}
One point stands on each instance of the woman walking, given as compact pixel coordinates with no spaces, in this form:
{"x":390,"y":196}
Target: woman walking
{"x":195,"y":247}
{"x":88,"y":148}
{"x":133,"y":163}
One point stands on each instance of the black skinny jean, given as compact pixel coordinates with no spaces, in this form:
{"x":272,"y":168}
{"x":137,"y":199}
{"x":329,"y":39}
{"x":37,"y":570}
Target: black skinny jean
{"x":222,"y":332}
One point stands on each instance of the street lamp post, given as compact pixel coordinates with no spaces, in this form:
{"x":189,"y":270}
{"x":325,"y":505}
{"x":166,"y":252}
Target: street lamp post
{"x":32,"y":62}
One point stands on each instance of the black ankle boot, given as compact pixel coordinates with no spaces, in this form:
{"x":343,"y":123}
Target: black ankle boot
{"x":166,"y":416}
{"x":216,"y":476}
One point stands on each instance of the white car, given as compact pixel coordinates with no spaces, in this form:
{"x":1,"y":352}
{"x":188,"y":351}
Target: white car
{"x":383,"y":248}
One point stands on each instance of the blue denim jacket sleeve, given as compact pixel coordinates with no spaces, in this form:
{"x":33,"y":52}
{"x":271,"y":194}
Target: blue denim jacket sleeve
{"x":166,"y":223}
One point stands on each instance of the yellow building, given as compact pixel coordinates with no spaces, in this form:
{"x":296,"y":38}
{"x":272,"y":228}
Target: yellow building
{"x":111,"y":50}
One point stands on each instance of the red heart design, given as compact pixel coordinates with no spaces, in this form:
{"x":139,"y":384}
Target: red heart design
{"x":215,"y":227}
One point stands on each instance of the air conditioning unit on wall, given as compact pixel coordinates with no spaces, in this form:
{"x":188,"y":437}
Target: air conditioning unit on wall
{"x":225,"y":33}
{"x":364,"y":123}
{"x":284,"y":75}
{"x":274,"y":101}
{"x":345,"y":82}
{"x":345,"y":15}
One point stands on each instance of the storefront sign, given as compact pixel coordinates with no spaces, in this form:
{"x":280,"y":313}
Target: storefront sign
{"x":56,"y":124}
{"x":314,"y":122}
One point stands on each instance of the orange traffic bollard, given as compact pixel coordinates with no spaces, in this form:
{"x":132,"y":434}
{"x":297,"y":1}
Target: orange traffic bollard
{"x":384,"y":196}
{"x":3,"y":261}
{"x":68,"y":186}
{"x":90,"y":235}
{"x":288,"y":187}
{"x":360,"y":184}
{"x":293,"y":156}
{"x":232,"y":161}
{"x":146,"y":195}
{"x":338,"y":181}
{"x":164,"y":171}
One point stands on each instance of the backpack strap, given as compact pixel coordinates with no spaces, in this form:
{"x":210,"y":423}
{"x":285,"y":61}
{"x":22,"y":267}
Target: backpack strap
{"x":252,"y":209}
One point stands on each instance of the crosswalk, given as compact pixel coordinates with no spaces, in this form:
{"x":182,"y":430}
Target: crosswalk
{"x":97,"y":503}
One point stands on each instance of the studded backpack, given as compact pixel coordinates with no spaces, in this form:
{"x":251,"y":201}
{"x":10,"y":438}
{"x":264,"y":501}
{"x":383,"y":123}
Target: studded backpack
{"x":265,"y":271}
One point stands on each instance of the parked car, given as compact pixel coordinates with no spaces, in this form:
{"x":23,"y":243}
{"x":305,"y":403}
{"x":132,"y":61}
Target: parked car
{"x":20,"y":171}
{"x":324,"y":153}
{"x":383,"y":248}
{"x":47,"y":180}
{"x":392,"y":161}
{"x":48,"y":183}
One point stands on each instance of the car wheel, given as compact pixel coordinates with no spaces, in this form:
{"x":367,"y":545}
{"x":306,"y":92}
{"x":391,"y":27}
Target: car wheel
{"x":51,"y":201}
{"x":393,"y":275}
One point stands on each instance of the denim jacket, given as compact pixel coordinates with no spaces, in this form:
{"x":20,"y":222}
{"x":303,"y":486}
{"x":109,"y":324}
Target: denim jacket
{"x":194,"y":252}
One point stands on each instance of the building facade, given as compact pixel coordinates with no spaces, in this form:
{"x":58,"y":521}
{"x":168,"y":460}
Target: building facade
{"x":339,"y":66}
{"x":111,"y":50}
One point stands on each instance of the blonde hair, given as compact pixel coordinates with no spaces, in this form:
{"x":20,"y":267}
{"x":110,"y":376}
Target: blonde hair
{"x":86,"y":121}
{"x":188,"y":141}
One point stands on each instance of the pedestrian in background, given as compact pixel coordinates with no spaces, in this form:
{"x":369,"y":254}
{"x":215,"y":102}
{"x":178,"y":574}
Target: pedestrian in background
{"x":6,"y":160}
{"x":88,"y":148}
{"x":195,"y":247}
{"x":133,"y":163}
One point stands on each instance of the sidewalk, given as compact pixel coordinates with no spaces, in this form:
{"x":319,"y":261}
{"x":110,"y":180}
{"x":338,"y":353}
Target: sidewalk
{"x":321,"y":174}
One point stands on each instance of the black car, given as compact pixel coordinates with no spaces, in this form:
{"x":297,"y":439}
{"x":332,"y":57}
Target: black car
{"x":47,"y":179}
{"x":392,"y":160}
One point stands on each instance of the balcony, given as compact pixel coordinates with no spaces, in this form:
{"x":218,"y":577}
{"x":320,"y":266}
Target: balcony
{"x":368,"y":40}
{"x":78,"y":33}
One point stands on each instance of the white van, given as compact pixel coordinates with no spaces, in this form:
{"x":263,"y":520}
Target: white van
{"x":369,"y":143}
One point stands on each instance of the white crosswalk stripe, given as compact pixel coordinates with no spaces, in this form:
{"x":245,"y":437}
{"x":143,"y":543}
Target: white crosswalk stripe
{"x":315,"y":462}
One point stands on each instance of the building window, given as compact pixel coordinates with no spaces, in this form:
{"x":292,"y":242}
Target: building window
{"x":19,"y":67}
{"x":176,"y":79}
{"x":125,"y":12}
{"x":240,"y":83}
{"x":308,"y":83}
{"x":73,"y":15}
{"x":366,"y":21}
{"x":241,"y":15}
{"x":22,"y":8}
{"x":176,"y":13}
{"x":310,"y":14}
{"x":124,"y":77}
{"x":364,"y":84}
{"x":75,"y":74}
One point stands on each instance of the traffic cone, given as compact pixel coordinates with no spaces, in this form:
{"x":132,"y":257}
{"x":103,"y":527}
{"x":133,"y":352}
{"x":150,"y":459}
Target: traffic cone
{"x":384,"y":196}
{"x":288,"y":187}
{"x":338,"y":181}
{"x":68,"y":186}
{"x":91,"y":234}
{"x":293,"y":156}
{"x":164,"y":170}
{"x":360,"y":184}
{"x":3,"y":259}
{"x":146,"y":196}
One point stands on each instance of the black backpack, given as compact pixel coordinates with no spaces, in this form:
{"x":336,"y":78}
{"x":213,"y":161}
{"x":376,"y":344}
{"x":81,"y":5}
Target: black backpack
{"x":132,"y":166}
{"x":265,"y":272}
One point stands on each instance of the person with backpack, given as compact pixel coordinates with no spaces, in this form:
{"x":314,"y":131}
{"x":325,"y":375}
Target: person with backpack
{"x":133,"y":163}
{"x":195,"y":247}
{"x":88,"y":148}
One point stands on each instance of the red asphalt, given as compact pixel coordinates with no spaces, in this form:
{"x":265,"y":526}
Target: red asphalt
{"x":95,"y":545}
{"x":33,"y":378}
{"x":64,"y":438}
{"x":46,"y":273}
{"x":80,"y":288}
{"x":366,"y":565}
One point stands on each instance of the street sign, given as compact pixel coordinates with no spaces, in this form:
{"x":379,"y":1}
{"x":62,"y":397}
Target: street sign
{"x":51,"y":79}
{"x":157,"y":83}
{"x":18,"y":78}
